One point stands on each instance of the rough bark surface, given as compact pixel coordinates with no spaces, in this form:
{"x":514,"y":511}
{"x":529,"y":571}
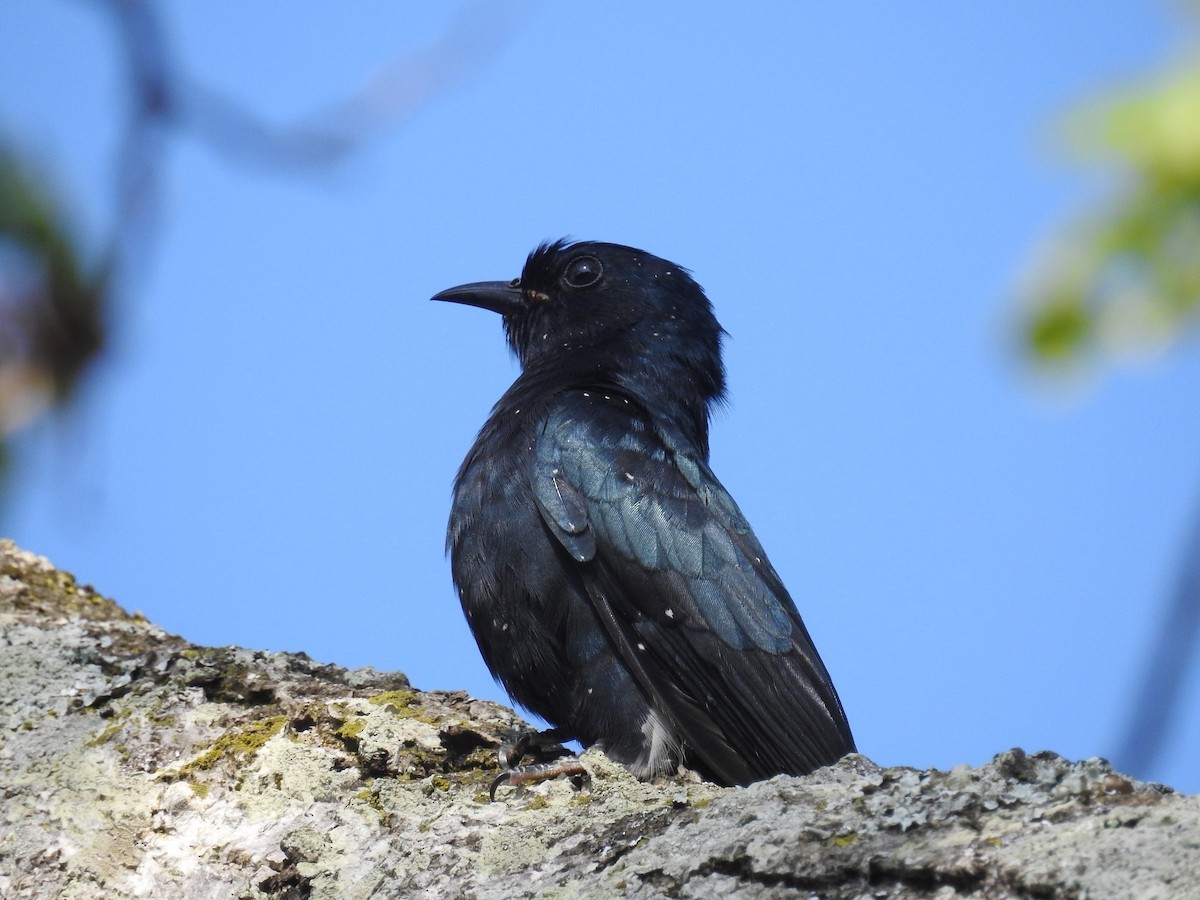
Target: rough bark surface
{"x":135,"y":764}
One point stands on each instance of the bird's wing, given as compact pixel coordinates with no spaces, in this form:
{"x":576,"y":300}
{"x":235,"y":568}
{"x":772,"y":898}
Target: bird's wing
{"x":686,"y":592}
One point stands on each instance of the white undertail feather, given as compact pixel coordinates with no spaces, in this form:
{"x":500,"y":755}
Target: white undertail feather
{"x":663,"y":752}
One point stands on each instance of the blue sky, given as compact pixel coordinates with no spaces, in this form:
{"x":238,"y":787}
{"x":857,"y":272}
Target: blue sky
{"x":265,"y":456}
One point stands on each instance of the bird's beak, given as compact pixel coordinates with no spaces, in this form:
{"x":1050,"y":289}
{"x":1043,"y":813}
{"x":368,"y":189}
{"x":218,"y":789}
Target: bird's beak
{"x":499,"y":296}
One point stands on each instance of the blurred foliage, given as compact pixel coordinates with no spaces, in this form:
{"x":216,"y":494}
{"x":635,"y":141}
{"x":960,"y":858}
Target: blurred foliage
{"x":50,"y":310}
{"x":1128,"y":278}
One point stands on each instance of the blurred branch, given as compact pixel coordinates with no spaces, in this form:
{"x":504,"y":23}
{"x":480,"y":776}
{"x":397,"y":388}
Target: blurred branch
{"x":164,"y":98}
{"x":140,"y":161}
{"x":388,"y":99}
{"x":1159,"y":691}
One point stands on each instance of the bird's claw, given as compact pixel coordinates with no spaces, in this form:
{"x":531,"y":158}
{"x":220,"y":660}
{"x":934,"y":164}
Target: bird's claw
{"x":561,"y":764}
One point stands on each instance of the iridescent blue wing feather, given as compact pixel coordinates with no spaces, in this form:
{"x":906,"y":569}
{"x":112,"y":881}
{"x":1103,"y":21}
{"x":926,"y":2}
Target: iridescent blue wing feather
{"x":686,"y":593}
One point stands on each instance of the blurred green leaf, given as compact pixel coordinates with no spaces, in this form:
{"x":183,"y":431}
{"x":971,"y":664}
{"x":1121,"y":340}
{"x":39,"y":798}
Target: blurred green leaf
{"x":1154,"y":128}
{"x":1128,"y":277}
{"x":51,"y":312}
{"x":1057,"y":331}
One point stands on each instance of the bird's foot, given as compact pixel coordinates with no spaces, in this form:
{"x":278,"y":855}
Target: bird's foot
{"x":552,"y":761}
{"x":536,"y":773}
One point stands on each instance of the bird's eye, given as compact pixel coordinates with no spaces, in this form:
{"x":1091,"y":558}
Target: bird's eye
{"x":583,"y":271}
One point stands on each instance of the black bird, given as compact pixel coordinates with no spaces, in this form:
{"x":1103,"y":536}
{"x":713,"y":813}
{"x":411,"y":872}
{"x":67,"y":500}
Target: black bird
{"x":612,"y":584}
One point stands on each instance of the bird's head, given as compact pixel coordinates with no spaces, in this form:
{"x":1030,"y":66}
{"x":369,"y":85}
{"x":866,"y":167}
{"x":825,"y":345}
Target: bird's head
{"x":601,"y":310}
